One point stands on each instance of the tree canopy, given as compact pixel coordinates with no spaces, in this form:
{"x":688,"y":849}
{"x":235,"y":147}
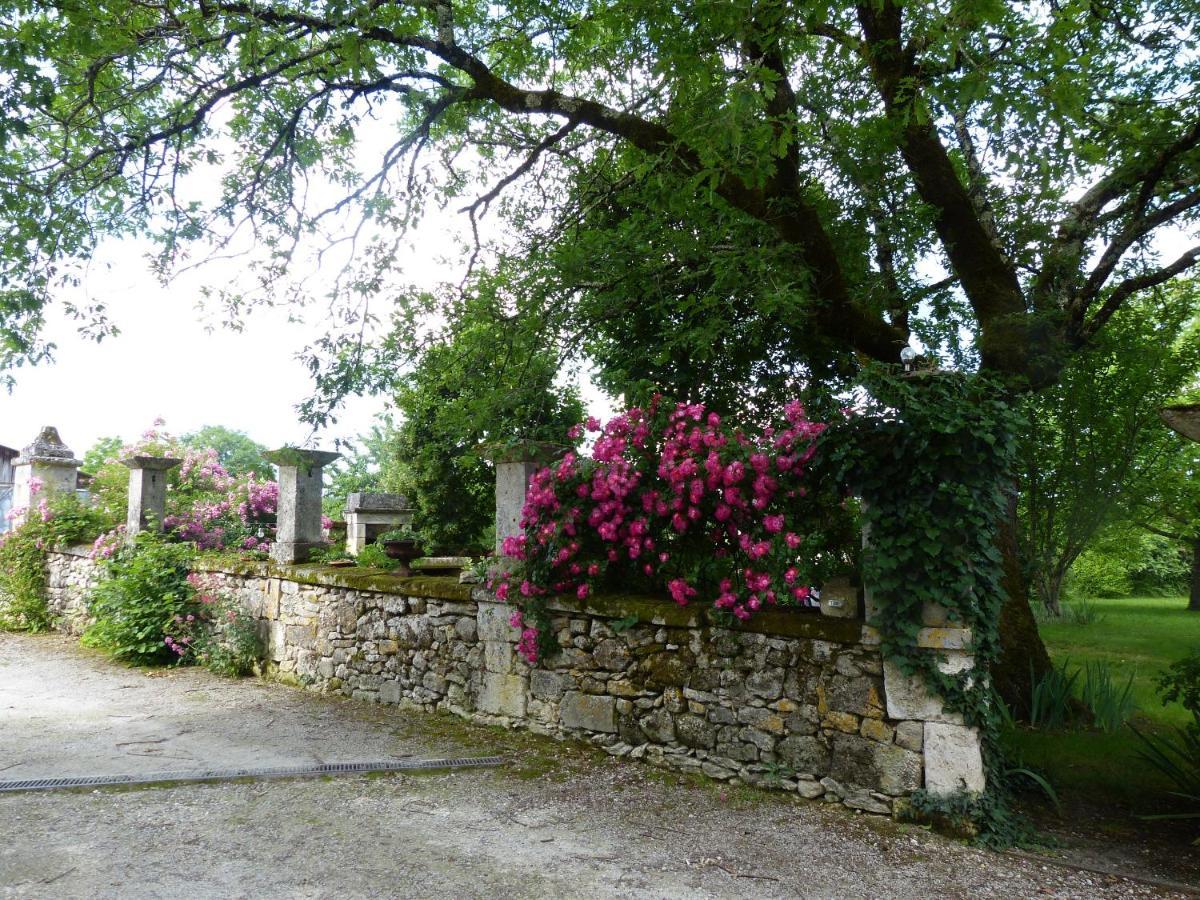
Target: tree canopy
{"x":977,"y":172}
{"x":1095,"y":446}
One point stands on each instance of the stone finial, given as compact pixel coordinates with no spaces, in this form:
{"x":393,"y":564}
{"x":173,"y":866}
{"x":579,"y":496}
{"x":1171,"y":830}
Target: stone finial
{"x":147,"y":492}
{"x":298,"y":517}
{"x":47,"y":466}
{"x":515,"y":465}
{"x":48,"y":447}
{"x":369,"y":515}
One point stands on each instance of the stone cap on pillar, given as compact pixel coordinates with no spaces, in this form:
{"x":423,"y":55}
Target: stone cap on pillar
{"x":374,"y":502}
{"x":48,"y":449}
{"x":1183,"y":418}
{"x":296,"y":458}
{"x":543,"y":452}
{"x":153,"y":463}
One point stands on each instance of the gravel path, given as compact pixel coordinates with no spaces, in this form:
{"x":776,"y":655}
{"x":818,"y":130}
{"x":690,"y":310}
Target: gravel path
{"x":558,"y":821}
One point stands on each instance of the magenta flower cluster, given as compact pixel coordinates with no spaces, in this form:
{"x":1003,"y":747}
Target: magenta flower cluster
{"x":676,"y":501}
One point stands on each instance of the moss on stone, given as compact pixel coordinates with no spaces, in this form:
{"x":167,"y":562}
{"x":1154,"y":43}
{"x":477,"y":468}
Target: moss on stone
{"x":660,"y":611}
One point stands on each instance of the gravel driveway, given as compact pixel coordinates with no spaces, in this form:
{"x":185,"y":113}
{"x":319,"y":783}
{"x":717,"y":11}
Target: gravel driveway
{"x":557,"y":821}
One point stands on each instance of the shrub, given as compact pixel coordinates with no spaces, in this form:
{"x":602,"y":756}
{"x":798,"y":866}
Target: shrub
{"x":1097,"y":574}
{"x":1052,"y":697}
{"x":674,"y":502}
{"x":145,"y":587}
{"x":374,"y":556}
{"x":55,"y":521}
{"x":223,"y":639}
{"x":1082,"y":612}
{"x":1111,"y":705}
{"x":1177,"y":755}
{"x":206,"y":505}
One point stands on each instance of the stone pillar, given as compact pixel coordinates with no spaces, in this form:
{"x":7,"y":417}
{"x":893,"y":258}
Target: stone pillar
{"x":147,"y":493}
{"x":369,"y":515}
{"x":951,"y":749}
{"x":47,"y":466}
{"x":515,"y":465}
{"x":298,"y":518}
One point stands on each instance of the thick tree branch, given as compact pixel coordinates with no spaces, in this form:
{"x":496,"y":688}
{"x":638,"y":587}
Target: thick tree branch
{"x":1128,"y":287}
{"x":988,"y":280}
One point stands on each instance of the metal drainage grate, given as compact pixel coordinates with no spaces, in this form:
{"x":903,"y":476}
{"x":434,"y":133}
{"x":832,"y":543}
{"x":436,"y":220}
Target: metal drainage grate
{"x":348,"y":768}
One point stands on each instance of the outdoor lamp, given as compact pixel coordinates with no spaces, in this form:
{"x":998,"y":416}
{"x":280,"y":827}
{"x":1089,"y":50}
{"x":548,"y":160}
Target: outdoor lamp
{"x":907,"y":355}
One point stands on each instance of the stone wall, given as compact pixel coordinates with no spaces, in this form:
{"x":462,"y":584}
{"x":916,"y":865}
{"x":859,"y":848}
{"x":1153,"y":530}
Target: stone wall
{"x":799,"y":701}
{"x":70,"y":576}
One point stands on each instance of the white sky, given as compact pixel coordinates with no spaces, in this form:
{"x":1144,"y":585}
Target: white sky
{"x":166,"y":363}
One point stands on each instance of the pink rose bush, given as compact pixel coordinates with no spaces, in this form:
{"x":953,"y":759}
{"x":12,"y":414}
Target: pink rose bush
{"x":676,"y":502}
{"x":206,"y":505}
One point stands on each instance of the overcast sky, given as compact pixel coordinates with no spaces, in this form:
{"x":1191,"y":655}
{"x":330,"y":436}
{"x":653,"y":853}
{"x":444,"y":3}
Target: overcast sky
{"x":165,"y":363}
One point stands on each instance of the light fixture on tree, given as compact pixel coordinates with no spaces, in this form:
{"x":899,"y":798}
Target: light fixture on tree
{"x":908,"y":357}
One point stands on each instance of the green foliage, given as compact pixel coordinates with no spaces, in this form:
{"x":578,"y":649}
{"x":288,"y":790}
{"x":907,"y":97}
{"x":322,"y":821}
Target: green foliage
{"x":373,"y":556}
{"x":932,"y":462}
{"x":1082,"y":612}
{"x":1095,"y":447}
{"x":23,"y":558}
{"x":1136,"y":638}
{"x":1177,"y":755}
{"x":236,"y":451}
{"x":486,"y":384}
{"x":1056,"y":704}
{"x":332,"y":553}
{"x":369,"y":463}
{"x":232,"y":646}
{"x":1181,"y":683}
{"x":1124,"y":561}
{"x":1109,"y":703}
{"x":145,"y":587}
{"x":1098,"y":574}
{"x":792,"y":153}
{"x":1050,"y":704}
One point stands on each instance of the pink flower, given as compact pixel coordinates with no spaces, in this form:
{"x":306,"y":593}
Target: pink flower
{"x":773,"y":524}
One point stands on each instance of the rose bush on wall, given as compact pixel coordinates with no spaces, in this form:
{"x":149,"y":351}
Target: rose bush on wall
{"x":674,"y":500}
{"x":206,"y":505}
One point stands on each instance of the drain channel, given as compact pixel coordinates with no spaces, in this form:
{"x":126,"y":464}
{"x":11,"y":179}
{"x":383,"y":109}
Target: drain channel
{"x":347,"y":768}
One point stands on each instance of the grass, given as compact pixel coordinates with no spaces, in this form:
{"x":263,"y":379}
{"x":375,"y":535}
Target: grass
{"x":1139,"y":636}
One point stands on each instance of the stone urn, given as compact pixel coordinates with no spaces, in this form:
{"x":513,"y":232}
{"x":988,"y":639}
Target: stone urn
{"x":404,"y":551}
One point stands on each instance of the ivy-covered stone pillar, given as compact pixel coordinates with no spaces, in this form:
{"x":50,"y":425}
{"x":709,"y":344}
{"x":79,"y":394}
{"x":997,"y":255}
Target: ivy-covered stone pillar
{"x":298,"y":515}
{"x":515,"y":465}
{"x":147,"y":493}
{"x":47,"y":466}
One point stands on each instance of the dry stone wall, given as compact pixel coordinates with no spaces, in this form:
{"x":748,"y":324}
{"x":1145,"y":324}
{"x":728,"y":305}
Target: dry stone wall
{"x":70,"y":576}
{"x":800,"y":702}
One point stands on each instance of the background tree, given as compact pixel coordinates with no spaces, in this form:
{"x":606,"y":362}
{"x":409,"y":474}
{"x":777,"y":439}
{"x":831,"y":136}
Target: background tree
{"x":236,"y":451}
{"x":1171,"y":507}
{"x":368,"y":464}
{"x":1095,"y":444}
{"x":1032,"y":153}
{"x":486,"y":384}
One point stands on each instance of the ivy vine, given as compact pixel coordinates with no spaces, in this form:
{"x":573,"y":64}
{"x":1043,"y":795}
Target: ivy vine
{"x":932,"y":460}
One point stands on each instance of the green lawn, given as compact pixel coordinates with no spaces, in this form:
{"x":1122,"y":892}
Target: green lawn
{"x":1138,"y":635}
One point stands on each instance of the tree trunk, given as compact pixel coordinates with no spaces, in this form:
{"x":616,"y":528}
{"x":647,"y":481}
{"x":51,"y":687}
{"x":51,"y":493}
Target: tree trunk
{"x":1194,"y":600}
{"x":1052,"y":592}
{"x":1022,"y":658}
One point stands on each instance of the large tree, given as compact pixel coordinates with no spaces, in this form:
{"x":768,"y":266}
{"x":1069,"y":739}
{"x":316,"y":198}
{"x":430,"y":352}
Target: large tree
{"x":994,"y":169}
